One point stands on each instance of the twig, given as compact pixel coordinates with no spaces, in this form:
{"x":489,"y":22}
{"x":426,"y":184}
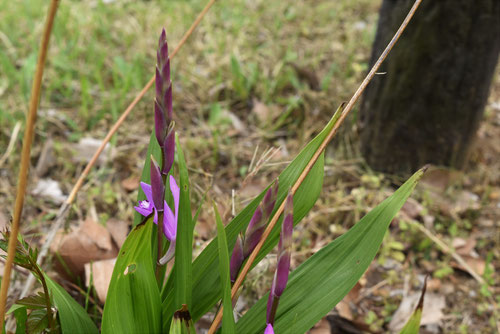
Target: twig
{"x":12,"y":141}
{"x":25,"y":156}
{"x":63,"y":210}
{"x":445,"y":248}
{"x":313,"y":160}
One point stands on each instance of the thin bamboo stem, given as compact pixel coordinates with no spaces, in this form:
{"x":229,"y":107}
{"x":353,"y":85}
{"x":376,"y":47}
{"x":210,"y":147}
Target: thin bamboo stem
{"x":319,"y":151}
{"x":25,"y":156}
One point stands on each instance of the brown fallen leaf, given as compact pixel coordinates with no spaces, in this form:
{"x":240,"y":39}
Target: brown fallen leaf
{"x":88,"y":242}
{"x":101,"y":272}
{"x":118,"y":229}
{"x":477,"y":264}
{"x":131,"y":183}
{"x":344,"y":306}
{"x":322,"y":327}
{"x":432,"y":312}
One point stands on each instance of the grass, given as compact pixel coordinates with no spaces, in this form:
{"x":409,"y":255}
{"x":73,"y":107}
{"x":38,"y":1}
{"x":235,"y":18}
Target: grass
{"x":255,"y":75}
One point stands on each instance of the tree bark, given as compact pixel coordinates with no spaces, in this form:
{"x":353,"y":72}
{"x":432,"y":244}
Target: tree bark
{"x":428,"y":105}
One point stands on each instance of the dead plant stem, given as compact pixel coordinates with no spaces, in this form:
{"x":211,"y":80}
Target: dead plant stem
{"x":25,"y":156}
{"x":319,"y":151}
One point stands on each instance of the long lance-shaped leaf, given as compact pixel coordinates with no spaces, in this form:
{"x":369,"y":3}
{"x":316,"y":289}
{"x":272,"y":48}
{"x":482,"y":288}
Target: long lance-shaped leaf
{"x":274,"y":220}
{"x":206,"y":280}
{"x":184,"y":246}
{"x":133,"y":302}
{"x":73,"y":318}
{"x":228,"y":326}
{"x":325,"y":278}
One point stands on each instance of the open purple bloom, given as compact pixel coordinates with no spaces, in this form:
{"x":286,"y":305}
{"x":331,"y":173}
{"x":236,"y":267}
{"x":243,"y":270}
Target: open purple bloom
{"x":170,"y":218}
{"x":269,"y":329}
{"x":283,"y":267}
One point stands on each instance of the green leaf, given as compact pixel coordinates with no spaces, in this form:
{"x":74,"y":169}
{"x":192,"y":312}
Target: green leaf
{"x":184,"y":245}
{"x":133,"y":302}
{"x":33,"y":302}
{"x":37,"y":322}
{"x":413,"y":324}
{"x":325,"y":278}
{"x":206,"y":284}
{"x":72,"y":316}
{"x":21,"y":317}
{"x":227,"y":317}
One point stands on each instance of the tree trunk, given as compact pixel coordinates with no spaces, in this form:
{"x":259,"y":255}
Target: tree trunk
{"x":428,"y":105}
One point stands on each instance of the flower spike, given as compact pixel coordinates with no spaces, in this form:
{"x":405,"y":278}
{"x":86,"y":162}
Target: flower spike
{"x":284,"y":253}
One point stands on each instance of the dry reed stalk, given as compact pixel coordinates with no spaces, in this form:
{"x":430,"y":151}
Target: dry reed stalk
{"x":25,"y":156}
{"x":319,"y":151}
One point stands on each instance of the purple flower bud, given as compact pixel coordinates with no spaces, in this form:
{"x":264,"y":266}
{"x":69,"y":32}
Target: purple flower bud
{"x":160,"y":124}
{"x":157,"y":186}
{"x":283,"y":267}
{"x":168,"y":148}
{"x":259,"y":220}
{"x":163,"y":101}
{"x":236,"y":260}
{"x":269,"y":329}
{"x":162,"y":52}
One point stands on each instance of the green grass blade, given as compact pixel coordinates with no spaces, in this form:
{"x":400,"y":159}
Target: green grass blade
{"x":184,"y":247}
{"x":228,"y":326}
{"x":326,"y":277}
{"x":72,"y":316}
{"x":133,"y":303}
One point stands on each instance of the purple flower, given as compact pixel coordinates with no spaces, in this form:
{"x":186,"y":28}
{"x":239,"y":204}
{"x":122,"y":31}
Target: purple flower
{"x":284,"y":253}
{"x":170,"y":218}
{"x":269,"y":329}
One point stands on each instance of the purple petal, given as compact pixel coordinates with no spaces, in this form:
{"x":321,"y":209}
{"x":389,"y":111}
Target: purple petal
{"x":160,"y":124}
{"x":269,"y":329}
{"x":157,"y":186}
{"x":143,"y":211}
{"x":270,"y":199}
{"x":169,"y":223}
{"x":146,"y":188}
{"x":169,"y":150}
{"x":174,"y":188}
{"x":169,"y":255}
{"x":236,"y":260}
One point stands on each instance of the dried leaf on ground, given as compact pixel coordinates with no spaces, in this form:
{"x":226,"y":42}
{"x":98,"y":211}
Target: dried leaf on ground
{"x":50,"y":190}
{"x":131,"y":183}
{"x":85,"y":149}
{"x":89,"y":242}
{"x":432,"y":312}
{"x":118,"y":229}
{"x":101,"y":272}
